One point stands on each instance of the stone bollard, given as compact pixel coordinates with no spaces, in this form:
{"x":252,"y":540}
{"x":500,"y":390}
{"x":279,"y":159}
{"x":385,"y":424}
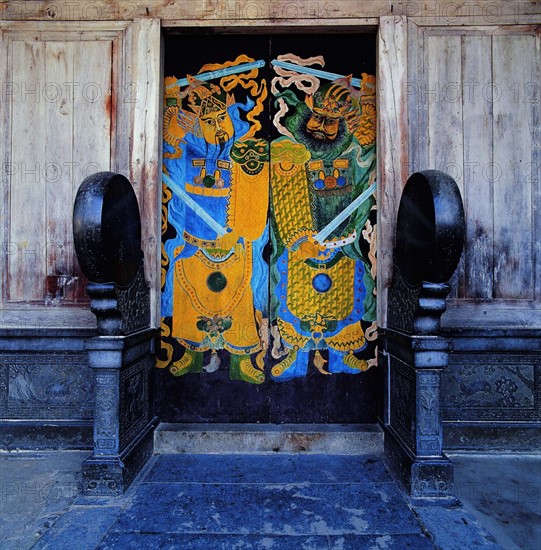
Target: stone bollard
{"x":107,"y":237}
{"x":429,"y":240}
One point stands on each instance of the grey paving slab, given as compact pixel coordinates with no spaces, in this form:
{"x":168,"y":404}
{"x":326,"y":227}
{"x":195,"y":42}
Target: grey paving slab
{"x":454,"y":528}
{"x":504,"y":493}
{"x":35,"y":489}
{"x":271,"y":468}
{"x":278,"y":509}
{"x":81,"y":528}
{"x":176,"y":541}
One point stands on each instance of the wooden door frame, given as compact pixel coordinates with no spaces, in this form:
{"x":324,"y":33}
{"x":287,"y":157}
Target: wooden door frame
{"x":392,"y":136}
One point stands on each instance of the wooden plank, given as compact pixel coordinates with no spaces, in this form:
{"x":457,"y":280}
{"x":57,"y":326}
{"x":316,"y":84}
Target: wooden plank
{"x":392,"y":143}
{"x":421,"y":79}
{"x":508,"y":19}
{"x":58,"y":94}
{"x":92,"y":121}
{"x":71,"y":30}
{"x":513,"y":59}
{"x":428,"y":12}
{"x":91,"y":128}
{"x":122,"y":100}
{"x":285,"y":26}
{"x":485,"y":30}
{"x":443,"y":94}
{"x":193,"y":9}
{"x":415,"y":77}
{"x":26,"y":266}
{"x":5,"y":157}
{"x":536,"y":165}
{"x":145,"y":146}
{"x":477,"y":166}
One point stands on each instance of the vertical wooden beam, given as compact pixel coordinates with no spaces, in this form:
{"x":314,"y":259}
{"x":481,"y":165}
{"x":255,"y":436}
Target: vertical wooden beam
{"x":27,"y":217}
{"x":145,"y":145}
{"x":59,"y":112}
{"x":5,"y":158}
{"x":392,"y":76}
{"x":442,"y":93}
{"x":514,"y":62}
{"x":478,"y":182}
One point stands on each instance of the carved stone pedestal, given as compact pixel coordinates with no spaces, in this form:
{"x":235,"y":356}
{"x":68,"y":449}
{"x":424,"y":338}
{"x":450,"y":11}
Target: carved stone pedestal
{"x":107,"y":235}
{"x":429,"y":240}
{"x":413,"y":430}
{"x":123,"y":421}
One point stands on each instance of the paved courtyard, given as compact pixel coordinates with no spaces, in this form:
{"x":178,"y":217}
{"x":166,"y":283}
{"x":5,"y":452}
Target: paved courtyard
{"x":282,"y":501}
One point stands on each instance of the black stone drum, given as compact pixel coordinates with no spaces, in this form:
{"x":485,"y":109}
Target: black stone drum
{"x":430,"y":228}
{"x":107,"y":229}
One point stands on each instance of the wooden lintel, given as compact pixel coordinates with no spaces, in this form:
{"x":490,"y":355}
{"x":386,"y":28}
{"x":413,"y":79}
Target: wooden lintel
{"x":325,"y":12}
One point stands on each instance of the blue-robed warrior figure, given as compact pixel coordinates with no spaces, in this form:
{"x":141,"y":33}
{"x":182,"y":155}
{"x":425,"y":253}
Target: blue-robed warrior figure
{"x":215,"y":286}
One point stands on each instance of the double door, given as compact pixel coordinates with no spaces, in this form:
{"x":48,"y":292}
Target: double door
{"x":269,"y":230}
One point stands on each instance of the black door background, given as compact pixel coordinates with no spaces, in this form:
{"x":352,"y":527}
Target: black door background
{"x":314,"y":398}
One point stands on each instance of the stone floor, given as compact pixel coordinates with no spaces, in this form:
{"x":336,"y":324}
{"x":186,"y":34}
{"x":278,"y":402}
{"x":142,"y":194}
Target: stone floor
{"x":504,"y":493}
{"x":267,"y":501}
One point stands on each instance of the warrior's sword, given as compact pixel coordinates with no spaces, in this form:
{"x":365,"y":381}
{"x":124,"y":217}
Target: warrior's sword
{"x":314,"y":72}
{"x":190,"y":203}
{"x":333,"y":224}
{"x":211,"y":75}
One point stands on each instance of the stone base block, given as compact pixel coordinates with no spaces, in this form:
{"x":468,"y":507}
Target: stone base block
{"x":43,"y":435}
{"x":332,"y":439}
{"x":111,"y":475}
{"x":421,"y":477}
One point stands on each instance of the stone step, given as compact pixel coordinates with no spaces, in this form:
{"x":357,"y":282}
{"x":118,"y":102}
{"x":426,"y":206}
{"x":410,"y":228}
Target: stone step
{"x":339,"y":439}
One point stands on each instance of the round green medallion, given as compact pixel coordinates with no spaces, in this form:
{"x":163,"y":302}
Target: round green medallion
{"x":216,"y":281}
{"x":208,"y":180}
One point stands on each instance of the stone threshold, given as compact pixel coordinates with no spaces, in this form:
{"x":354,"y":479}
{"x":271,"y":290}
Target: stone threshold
{"x":340,"y":439}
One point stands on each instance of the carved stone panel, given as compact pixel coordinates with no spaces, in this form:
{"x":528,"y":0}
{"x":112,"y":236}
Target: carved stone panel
{"x":134,"y":400}
{"x":52,"y":386}
{"x":495,"y":387}
{"x":106,"y":416}
{"x":428,"y":413}
{"x":403,"y":301}
{"x":134,"y":303}
{"x":402,"y":385}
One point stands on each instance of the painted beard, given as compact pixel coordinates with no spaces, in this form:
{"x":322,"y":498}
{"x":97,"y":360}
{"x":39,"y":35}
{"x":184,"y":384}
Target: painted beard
{"x":324,"y":149}
{"x":221,"y":138}
{"x":220,"y":142}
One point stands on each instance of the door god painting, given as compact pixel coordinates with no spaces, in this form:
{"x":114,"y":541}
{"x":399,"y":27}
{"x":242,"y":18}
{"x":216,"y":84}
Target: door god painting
{"x":323,"y":173}
{"x":268,"y":221}
{"x":216,"y":173}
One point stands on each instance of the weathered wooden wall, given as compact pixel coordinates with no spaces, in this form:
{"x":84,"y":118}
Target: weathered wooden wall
{"x":293,"y":12}
{"x":474,"y":112}
{"x":76,"y":99}
{"x":458,"y":89}
{"x":111,"y":120}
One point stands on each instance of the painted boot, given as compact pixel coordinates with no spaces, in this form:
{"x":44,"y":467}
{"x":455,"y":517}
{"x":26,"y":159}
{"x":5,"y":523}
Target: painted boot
{"x":294,"y":365}
{"x":346,"y":362}
{"x":191,"y":361}
{"x":241,"y":368}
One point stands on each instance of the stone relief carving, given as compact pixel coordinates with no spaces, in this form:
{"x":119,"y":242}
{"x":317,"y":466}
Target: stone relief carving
{"x":491,"y":388}
{"x":46,"y":386}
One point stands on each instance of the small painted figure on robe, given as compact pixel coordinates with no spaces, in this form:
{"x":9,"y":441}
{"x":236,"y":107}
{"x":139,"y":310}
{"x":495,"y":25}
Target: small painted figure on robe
{"x":323,"y":268}
{"x":214,"y":278}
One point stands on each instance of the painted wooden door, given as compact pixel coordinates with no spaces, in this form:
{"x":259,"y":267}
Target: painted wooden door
{"x":269,"y":230}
